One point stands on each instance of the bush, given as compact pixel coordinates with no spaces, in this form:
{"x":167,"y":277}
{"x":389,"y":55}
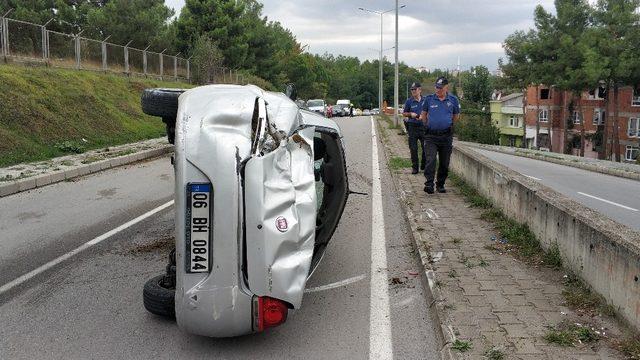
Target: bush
{"x":477,"y":127}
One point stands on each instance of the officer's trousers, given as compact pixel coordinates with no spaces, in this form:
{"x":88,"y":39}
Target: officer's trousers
{"x":440,"y":145}
{"x":415,"y":133}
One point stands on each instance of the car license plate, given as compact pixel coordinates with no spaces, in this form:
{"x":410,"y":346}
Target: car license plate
{"x":198,"y":228}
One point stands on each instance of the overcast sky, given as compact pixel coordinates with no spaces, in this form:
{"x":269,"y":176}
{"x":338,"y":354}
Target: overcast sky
{"x":432,"y":33}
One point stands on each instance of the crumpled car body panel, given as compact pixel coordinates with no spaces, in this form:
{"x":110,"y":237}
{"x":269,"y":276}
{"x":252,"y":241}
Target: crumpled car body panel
{"x":280,"y":199}
{"x":263,"y":203}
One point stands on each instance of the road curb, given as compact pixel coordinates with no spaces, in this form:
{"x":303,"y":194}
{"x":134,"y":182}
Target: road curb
{"x":428,"y":276}
{"x":16,"y":186}
{"x":549,"y":158}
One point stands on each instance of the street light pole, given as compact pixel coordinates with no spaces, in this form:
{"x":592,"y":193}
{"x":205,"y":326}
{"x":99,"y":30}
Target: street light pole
{"x":380,"y":63}
{"x":395,"y":83}
{"x":380,"y":73}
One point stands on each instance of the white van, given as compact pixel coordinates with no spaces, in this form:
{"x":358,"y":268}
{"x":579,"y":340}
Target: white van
{"x":344,"y":105}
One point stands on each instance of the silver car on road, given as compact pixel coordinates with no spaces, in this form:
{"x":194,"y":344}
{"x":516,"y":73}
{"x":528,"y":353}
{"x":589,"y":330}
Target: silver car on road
{"x":260,"y":188}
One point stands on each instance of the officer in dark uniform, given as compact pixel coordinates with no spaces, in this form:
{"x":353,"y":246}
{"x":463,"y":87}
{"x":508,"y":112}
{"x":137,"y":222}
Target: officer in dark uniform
{"x":415,"y":127}
{"x":439,"y":112}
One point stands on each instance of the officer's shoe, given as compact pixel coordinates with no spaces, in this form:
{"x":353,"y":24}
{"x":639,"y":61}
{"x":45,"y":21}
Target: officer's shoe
{"x":414,"y":171}
{"x":441,"y":189}
{"x":428,"y":189}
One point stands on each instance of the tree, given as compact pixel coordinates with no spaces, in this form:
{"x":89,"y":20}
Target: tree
{"x":519,"y":71}
{"x":611,"y":55}
{"x":220,"y":20}
{"x":143,"y":22}
{"x":206,"y":59}
{"x":477,"y":85}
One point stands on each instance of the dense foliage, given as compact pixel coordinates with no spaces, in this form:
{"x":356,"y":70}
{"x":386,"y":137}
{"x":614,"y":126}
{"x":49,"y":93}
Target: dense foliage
{"x":229,"y":33}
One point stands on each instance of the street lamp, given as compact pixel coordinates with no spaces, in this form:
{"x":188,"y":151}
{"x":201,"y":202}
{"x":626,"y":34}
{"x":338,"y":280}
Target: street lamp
{"x":377,"y":12}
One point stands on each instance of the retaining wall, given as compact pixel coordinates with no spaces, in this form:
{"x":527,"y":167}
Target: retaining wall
{"x":604,"y":253}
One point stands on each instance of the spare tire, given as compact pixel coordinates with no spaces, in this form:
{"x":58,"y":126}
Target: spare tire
{"x":158,"y":299}
{"x":161,"y":102}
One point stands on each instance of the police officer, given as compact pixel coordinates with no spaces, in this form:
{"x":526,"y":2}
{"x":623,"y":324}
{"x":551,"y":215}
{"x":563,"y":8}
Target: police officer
{"x":415,"y":127}
{"x":439,"y":112}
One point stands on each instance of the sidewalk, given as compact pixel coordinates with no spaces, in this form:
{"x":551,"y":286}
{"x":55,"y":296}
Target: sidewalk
{"x":490,"y":304}
{"x":22,"y":177}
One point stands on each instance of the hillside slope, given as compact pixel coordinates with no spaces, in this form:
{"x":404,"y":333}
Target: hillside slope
{"x":46,"y":112}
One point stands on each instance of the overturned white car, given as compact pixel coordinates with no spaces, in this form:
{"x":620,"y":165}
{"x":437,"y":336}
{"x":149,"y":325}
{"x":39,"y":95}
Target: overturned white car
{"x":260,"y":186}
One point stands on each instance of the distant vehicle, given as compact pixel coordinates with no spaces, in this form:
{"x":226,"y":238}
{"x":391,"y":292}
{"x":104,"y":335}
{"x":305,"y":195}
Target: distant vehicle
{"x":357,"y":112}
{"x":375,"y":111}
{"x":335,"y":110}
{"x":317,"y":106}
{"x":366,"y":112}
{"x":344,"y":105}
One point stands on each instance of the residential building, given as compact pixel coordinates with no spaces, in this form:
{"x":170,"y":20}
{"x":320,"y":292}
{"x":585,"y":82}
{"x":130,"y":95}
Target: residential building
{"x":506,"y":115}
{"x":590,"y":111}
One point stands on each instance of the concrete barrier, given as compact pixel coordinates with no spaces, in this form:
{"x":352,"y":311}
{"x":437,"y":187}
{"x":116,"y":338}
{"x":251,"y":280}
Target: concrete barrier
{"x":604,"y":253}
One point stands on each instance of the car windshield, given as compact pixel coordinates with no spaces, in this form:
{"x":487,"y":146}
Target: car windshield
{"x":311,"y":103}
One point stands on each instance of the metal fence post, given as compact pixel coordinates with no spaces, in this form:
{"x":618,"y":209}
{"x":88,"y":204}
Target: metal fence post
{"x":189,"y":70}
{"x":103,"y":45}
{"x":144,"y":60}
{"x":78,"y":55}
{"x":162,"y":63}
{"x":126,"y":57}
{"x":45,"y":41}
{"x":175,"y":66}
{"x":5,"y":34}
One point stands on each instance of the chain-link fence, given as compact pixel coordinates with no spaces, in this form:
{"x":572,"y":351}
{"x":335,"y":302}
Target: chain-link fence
{"x":25,"y":41}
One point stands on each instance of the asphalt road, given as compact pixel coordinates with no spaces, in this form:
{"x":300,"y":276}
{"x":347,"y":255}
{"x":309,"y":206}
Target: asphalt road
{"x":618,"y":198}
{"x":90,"y":306}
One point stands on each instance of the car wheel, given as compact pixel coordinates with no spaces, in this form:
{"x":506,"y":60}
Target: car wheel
{"x":158,"y":298}
{"x":161,"y":102}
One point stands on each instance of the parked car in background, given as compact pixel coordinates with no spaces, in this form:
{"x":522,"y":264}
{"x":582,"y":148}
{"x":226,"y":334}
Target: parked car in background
{"x":339,"y":110}
{"x":357,"y":112}
{"x":317,"y":106}
{"x":366,"y":112}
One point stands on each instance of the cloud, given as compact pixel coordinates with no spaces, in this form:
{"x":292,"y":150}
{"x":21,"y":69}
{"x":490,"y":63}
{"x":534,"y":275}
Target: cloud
{"x":431,"y":33}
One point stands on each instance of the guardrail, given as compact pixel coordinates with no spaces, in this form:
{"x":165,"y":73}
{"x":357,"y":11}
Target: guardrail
{"x":604,"y":253}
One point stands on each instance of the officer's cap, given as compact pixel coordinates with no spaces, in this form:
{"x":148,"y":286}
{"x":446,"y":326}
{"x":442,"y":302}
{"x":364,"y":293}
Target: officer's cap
{"x":441,"y":82}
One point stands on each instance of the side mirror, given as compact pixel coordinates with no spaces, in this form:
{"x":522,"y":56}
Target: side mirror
{"x":291,"y":92}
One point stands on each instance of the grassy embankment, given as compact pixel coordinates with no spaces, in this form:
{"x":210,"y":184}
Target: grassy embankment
{"x":46,"y":112}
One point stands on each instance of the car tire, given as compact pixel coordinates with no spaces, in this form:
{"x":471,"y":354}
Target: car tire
{"x":161,"y":102}
{"x":158,"y":299}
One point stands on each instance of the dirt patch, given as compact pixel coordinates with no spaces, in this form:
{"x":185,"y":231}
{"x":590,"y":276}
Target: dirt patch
{"x":163,"y":244}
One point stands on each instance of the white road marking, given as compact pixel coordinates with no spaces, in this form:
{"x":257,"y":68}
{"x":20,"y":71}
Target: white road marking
{"x":608,"y":202}
{"x":432,"y":214}
{"x":532,"y":177}
{"x":336,"y":284}
{"x":10,"y":285}
{"x":380,"y":344}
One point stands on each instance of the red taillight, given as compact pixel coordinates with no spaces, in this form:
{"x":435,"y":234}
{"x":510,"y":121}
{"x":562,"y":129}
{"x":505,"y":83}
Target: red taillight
{"x":270,"y":312}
